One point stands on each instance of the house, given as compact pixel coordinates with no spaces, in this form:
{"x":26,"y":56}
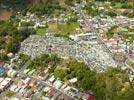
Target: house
{"x":45,"y":98}
{"x":11,"y":73}
{"x":26,"y":80}
{"x":32,"y":83}
{"x":67,"y":88}
{"x":2,"y":63}
{"x":1,"y":79}
{"x":13,"y":87}
{"x":46,"y":89}
{"x":32,"y":89}
{"x":51,"y":92}
{"x":87,"y":96}
{"x":63,"y":97}
{"x":5,"y":83}
{"x":57,"y":84}
{"x":10,"y":55}
{"x":73,"y":80}
{"x":20,"y":83}
{"x":2,"y":70}
{"x":56,"y":95}
{"x":31,"y":72}
{"x":51,"y":79}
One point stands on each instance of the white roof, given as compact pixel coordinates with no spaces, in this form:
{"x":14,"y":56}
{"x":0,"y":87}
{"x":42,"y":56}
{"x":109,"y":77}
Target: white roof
{"x":4,"y":82}
{"x":73,"y":80}
{"x":1,"y":86}
{"x":26,"y":80}
{"x":9,"y":72}
{"x":14,"y":98}
{"x":8,"y":79}
{"x":67,"y":88}
{"x":1,"y":79}
{"x":58,"y":84}
{"x":51,"y":79}
{"x":46,"y":89}
{"x":13,"y":72}
{"x":12,"y":88}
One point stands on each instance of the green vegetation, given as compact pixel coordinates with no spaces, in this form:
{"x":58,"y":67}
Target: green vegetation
{"x":113,"y":84}
{"x":92,"y":11}
{"x":122,"y":1}
{"x":122,"y":5}
{"x":71,"y":2}
{"x":128,"y":36}
{"x":40,"y":31}
{"x":39,"y":7}
{"x":44,"y":6}
{"x":111,"y":31}
{"x":128,"y":6}
{"x":10,"y":37}
{"x":24,"y":57}
{"x":127,"y":33}
{"x":43,"y":62}
{"x":10,"y":94}
{"x":4,"y":74}
{"x":101,"y":84}
{"x":66,"y":29}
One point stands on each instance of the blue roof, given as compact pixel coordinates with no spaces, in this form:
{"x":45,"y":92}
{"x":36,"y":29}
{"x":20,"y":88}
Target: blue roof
{"x":2,"y":70}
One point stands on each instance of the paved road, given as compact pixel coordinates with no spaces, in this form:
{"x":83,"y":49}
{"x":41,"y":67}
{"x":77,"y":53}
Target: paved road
{"x":42,"y":82}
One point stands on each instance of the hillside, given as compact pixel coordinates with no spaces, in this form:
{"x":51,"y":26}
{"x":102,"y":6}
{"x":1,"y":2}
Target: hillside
{"x":37,"y":6}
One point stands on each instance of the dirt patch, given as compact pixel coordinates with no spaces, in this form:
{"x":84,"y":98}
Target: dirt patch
{"x":61,"y":2}
{"x":52,"y":27}
{"x":5,"y":14}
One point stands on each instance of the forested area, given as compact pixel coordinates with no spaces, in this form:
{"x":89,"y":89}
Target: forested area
{"x":116,"y":0}
{"x":10,"y":37}
{"x":113,"y":84}
{"x":39,"y":7}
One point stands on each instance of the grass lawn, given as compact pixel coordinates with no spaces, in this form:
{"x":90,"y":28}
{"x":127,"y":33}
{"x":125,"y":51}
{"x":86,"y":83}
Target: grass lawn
{"x":66,"y":29}
{"x":10,"y":94}
{"x":40,"y":31}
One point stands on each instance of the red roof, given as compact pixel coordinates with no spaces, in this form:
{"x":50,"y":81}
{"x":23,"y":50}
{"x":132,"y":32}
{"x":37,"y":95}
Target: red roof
{"x":88,"y":96}
{"x":19,"y":94}
{"x":32,"y":82}
{"x":51,"y":92}
{"x":32,"y":89}
{"x":2,"y":62}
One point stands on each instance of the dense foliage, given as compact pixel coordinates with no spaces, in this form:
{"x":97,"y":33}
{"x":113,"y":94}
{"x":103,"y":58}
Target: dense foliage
{"x":43,"y":62}
{"x":16,"y":4}
{"x":115,"y":0}
{"x":37,"y":6}
{"x":10,"y":37}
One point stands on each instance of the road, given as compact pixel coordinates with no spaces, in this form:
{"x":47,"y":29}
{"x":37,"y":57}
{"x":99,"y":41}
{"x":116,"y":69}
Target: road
{"x":43,"y":82}
{"x":20,"y":72}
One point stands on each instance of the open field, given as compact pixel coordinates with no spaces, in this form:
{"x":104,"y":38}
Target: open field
{"x":5,"y":14}
{"x":67,"y":28}
{"x":40,"y":31}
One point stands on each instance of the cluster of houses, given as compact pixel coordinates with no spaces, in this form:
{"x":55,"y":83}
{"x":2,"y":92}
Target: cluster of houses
{"x":35,"y":22}
{"x":53,"y":84}
{"x":32,"y":83}
{"x":117,"y":43}
{"x":24,"y":87}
